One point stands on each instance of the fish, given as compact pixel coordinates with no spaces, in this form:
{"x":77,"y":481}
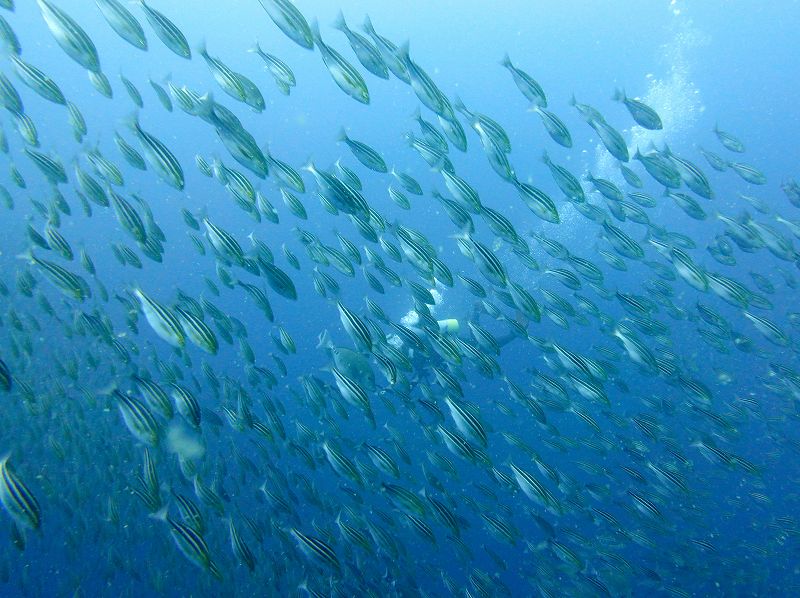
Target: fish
{"x":731,"y":142}
{"x":18,"y":500}
{"x":159,"y":156}
{"x":282,"y":73}
{"x":169,"y":33}
{"x":163,"y":322}
{"x":555,"y":127}
{"x":124,"y":24}
{"x":529,"y":87}
{"x":520,"y":364}
{"x":38,"y":81}
{"x":344,"y":74}
{"x":643,"y":114}
{"x":290,"y":21}
{"x":368,"y":55}
{"x":70,"y":36}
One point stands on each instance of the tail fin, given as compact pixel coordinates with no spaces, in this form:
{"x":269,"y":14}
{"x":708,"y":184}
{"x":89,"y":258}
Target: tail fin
{"x":342,"y":136}
{"x":403,"y":52}
{"x":340,"y":22}
{"x":26,"y":255}
{"x":205,"y":107}
{"x":619,"y":95}
{"x":439,"y":165}
{"x":506,"y":62}
{"x":161,"y":514}
{"x":324,"y":340}
{"x":315,"y":31}
{"x":368,"y":28}
{"x":255,"y":48}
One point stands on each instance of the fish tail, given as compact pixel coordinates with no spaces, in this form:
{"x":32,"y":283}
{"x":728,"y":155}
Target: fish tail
{"x":340,"y":23}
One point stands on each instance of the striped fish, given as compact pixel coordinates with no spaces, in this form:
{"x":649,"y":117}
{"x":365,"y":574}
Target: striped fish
{"x":51,"y":168}
{"x":167,"y":32}
{"x":72,"y":285}
{"x":128,"y":217}
{"x":227,"y":246}
{"x":467,"y":423}
{"x":341,"y":464}
{"x":316,"y":549}
{"x":155,"y":396}
{"x":162,"y":320}
{"x":289,"y":20}
{"x":240,"y":549}
{"x":37,"y":81}
{"x":535,"y":490}
{"x":555,"y":127}
{"x":198,"y":331}
{"x":17,"y":498}
{"x":187,"y":405}
{"x":190,"y":543}
{"x":565,"y":180}
{"x":159,"y":156}
{"x":355,"y":328}
{"x":344,"y":74}
{"x":70,"y":36}
{"x":57,"y":242}
{"x":537,"y":201}
{"x":123,"y":22}
{"x":424,"y":87}
{"x":138,"y":419}
{"x":101,"y":83}
{"x":364,"y":153}
{"x":229,"y":81}
{"x":105,"y":168}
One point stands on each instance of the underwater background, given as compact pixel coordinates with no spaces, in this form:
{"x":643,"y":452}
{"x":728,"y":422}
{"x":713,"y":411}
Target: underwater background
{"x":284,"y":369}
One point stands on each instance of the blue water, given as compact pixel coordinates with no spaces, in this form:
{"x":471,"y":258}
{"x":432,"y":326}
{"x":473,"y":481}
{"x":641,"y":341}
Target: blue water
{"x":733,"y":532}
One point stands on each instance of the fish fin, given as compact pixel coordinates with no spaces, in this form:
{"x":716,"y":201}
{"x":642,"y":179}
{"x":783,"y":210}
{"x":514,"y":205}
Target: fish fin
{"x":342,"y":136}
{"x":315,"y":31}
{"x":27,"y":255}
{"x":403,"y":52}
{"x":439,"y":165}
{"x":506,"y":62}
{"x":255,"y":48}
{"x":162,"y":513}
{"x":201,"y":48}
{"x":107,"y":390}
{"x":572,"y":100}
{"x":324,"y":340}
{"x":132,"y":121}
{"x":340,"y":22}
{"x":367,"y":26}
{"x":619,"y":95}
